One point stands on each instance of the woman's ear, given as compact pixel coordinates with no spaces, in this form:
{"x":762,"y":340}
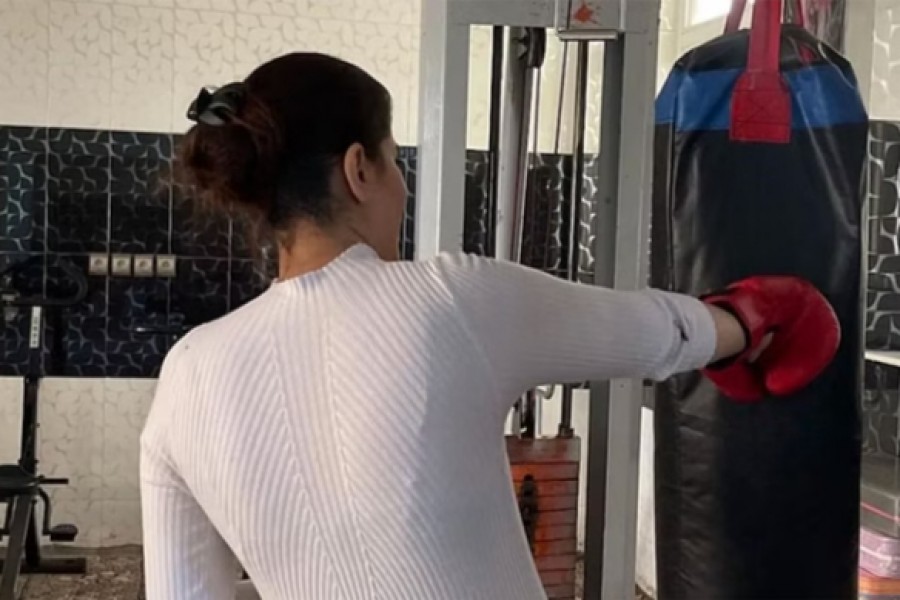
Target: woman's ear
{"x":357,"y":172}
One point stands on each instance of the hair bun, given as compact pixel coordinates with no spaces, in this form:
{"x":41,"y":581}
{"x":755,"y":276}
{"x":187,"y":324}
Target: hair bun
{"x":229,"y":158}
{"x":218,"y":106}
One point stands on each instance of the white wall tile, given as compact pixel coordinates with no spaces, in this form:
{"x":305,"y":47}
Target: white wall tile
{"x":205,"y":5}
{"x":126,"y":403}
{"x":260,"y":38}
{"x":86,"y":515}
{"x":204,"y":55}
{"x":479,"y":113}
{"x":667,"y":55}
{"x":668,"y":15}
{"x":80,"y":64}
{"x":154,"y":3}
{"x":403,"y":12}
{"x":71,"y":436}
{"x":646,"y":534}
{"x":24,"y":61}
{"x":287,"y":8}
{"x":10,"y":418}
{"x":885,"y":98}
{"x":143,"y":77}
{"x":120,"y":523}
{"x":386,"y":51}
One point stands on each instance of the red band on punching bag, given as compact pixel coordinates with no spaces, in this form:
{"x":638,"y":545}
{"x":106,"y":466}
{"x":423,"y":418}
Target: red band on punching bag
{"x":761,"y":102}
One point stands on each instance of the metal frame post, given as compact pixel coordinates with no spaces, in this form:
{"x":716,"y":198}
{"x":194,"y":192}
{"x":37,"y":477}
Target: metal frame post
{"x":443,"y":109}
{"x":630,"y":71}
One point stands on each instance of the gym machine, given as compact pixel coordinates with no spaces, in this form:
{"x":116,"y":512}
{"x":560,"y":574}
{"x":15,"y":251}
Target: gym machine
{"x":628,"y":30}
{"x":21,"y":485}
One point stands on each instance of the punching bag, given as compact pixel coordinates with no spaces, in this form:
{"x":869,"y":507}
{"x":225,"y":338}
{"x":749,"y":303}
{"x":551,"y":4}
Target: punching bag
{"x":759,"y":158}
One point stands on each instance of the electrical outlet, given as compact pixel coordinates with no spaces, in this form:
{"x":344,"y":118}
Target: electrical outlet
{"x":98,"y":265}
{"x":165,"y":265}
{"x":143,"y":265}
{"x":121,"y":265}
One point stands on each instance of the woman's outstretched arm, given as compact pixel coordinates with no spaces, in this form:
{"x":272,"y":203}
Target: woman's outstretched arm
{"x":536,"y":329}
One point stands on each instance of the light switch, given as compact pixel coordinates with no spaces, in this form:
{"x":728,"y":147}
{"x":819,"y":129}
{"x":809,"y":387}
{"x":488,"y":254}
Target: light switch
{"x":165,"y":265}
{"x":98,"y":265}
{"x":121,"y":265}
{"x":143,"y":265}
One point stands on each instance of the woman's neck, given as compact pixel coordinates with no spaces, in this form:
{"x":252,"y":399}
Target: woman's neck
{"x":310,"y":249}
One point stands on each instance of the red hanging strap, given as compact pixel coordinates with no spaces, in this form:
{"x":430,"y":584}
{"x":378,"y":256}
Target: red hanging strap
{"x":738,"y":7}
{"x":761,"y":102}
{"x":735,"y":16}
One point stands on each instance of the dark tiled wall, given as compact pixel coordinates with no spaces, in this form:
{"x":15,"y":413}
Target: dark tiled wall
{"x":883,"y":301}
{"x":881,"y":407}
{"x":881,"y":397}
{"x":67,"y":193}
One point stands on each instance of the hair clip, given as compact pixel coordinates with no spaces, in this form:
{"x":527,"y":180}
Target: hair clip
{"x":217,"y":106}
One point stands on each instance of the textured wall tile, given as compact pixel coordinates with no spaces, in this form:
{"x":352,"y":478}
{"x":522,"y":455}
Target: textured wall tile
{"x":668,"y":15}
{"x":885,"y":99}
{"x":87,"y":515}
{"x":196,"y":232}
{"x":479,"y":99}
{"x":143,"y":43}
{"x":883,"y":302}
{"x":260,"y":38}
{"x":204,"y":55}
{"x":273,"y":7}
{"x":126,"y":403}
{"x":121,"y":523}
{"x":84,"y":344}
{"x":249,"y":279}
{"x":206,"y":5}
{"x":405,"y":12}
{"x":407,"y":162}
{"x":10,"y":418}
{"x":78,"y":222}
{"x":80,"y":64}
{"x":71,"y":435}
{"x":155,"y":3}
{"x":22,"y":214}
{"x":200,"y":290}
{"x":387,"y":52}
{"x":24,"y":61}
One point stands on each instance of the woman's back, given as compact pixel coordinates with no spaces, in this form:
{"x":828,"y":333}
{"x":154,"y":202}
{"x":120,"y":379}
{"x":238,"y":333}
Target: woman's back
{"x":343,"y":434}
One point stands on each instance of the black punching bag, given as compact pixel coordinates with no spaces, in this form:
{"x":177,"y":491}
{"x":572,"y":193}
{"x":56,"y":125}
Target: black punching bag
{"x":760,"y":146}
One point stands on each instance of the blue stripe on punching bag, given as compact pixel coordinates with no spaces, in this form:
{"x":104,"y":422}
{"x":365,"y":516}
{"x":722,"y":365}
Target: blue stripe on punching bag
{"x":701,"y":100}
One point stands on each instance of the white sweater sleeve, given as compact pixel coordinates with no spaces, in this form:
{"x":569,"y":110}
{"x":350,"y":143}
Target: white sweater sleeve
{"x":537,"y":329}
{"x":185,"y":558}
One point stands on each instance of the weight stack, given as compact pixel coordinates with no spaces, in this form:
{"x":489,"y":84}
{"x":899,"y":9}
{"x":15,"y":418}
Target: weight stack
{"x":545,"y":474}
{"x":760,"y":501}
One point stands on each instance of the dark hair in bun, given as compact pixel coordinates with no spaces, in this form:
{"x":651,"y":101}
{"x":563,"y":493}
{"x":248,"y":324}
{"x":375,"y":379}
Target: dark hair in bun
{"x":267,"y":146}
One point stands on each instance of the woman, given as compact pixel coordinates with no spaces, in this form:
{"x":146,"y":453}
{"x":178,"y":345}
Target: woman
{"x":342,"y":435}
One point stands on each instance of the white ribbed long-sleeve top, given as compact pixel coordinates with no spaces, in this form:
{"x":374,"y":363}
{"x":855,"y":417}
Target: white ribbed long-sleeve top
{"x":342,"y":435}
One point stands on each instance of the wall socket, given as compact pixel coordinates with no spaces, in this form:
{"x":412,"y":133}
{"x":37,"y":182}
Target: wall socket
{"x":143,"y":265}
{"x":165,"y":265}
{"x":121,"y":265}
{"x":98,"y":265}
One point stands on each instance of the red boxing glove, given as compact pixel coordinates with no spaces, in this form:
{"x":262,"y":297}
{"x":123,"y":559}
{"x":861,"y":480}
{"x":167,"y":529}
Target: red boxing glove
{"x":806,"y":335}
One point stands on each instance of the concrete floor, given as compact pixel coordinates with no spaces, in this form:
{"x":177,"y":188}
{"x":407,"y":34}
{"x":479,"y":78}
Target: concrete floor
{"x":113,"y":574}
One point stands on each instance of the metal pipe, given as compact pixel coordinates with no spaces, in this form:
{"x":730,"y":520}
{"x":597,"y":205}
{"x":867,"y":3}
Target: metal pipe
{"x":562,"y":96}
{"x":497,"y":51}
{"x":604,"y":274}
{"x":576,"y":191}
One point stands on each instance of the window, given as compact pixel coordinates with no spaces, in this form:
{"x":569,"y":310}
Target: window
{"x":701,"y":11}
